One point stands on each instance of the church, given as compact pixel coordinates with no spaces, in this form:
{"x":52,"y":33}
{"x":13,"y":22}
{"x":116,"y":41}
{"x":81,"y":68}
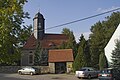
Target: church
{"x":57,"y":59}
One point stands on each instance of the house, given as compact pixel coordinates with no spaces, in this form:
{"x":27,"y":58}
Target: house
{"x":62,"y":59}
{"x":47,"y":41}
{"x":111,"y":44}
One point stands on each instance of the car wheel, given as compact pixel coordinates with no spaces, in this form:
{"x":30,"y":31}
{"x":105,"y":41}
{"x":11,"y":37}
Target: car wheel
{"x":20,"y":73}
{"x":79,"y":77}
{"x":89,"y":76}
{"x":31,"y":73}
{"x":114,"y":79}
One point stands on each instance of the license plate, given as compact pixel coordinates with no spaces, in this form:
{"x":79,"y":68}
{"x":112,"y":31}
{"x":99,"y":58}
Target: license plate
{"x":104,"y":75}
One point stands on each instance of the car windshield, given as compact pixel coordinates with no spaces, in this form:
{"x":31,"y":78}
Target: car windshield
{"x":106,"y":71}
{"x":34,"y":68}
{"x":82,"y":69}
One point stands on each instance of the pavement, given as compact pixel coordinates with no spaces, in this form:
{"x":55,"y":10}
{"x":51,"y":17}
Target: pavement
{"x":15,"y":76}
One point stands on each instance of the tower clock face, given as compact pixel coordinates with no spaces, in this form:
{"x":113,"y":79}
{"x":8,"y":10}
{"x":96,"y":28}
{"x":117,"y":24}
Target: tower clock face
{"x":39,"y":25}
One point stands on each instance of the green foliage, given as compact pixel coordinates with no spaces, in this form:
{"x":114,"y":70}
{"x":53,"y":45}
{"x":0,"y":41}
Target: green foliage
{"x":71,"y":39}
{"x":40,"y":56}
{"x":11,"y":19}
{"x":71,"y":43}
{"x":78,"y":60}
{"x":101,"y":34}
{"x":25,"y":33}
{"x":38,"y":52}
{"x":102,"y":61}
{"x":116,"y":55}
{"x":83,"y":57}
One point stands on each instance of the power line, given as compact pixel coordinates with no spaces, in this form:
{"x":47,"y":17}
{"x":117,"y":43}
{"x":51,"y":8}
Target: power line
{"x":83,"y":19}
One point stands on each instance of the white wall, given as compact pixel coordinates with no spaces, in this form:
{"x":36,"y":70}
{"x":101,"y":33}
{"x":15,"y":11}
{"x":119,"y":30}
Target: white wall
{"x":111,"y":44}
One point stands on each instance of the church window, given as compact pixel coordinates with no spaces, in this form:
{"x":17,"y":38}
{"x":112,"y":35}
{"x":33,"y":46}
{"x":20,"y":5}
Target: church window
{"x":30,"y":59}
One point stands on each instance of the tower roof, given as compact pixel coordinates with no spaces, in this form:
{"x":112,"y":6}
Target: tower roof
{"x":38,"y":15}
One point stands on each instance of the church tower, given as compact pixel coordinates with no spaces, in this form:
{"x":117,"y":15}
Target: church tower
{"x":38,"y":24}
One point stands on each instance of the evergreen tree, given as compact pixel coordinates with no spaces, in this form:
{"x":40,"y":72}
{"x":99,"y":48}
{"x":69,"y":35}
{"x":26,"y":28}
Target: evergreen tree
{"x":40,"y":56}
{"x":116,"y":55}
{"x":83,"y":57}
{"x":71,"y":43}
{"x":102,"y":61}
{"x":87,"y":53}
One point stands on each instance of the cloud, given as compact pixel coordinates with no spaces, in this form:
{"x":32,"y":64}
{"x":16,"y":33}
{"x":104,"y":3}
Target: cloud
{"x":100,"y":10}
{"x":86,"y":35}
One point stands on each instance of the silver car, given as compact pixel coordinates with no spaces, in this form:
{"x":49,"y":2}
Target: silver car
{"x":86,"y":72}
{"x":29,"y":70}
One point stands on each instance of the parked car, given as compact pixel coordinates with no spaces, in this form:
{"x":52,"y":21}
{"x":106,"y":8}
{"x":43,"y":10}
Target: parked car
{"x":109,"y":74}
{"x":86,"y":72}
{"x":29,"y":70}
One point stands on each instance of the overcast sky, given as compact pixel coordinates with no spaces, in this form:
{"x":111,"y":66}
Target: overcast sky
{"x":58,"y":12}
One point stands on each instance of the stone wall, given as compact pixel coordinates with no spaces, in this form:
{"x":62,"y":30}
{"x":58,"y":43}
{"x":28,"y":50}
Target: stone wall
{"x":43,"y":69}
{"x":69,"y":67}
{"x":9,"y":69}
{"x":52,"y":67}
{"x":14,"y":69}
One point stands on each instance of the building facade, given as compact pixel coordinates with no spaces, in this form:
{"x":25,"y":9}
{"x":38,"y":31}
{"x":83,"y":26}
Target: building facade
{"x":47,"y":41}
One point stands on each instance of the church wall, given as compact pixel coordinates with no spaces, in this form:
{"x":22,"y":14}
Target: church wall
{"x":25,"y":61}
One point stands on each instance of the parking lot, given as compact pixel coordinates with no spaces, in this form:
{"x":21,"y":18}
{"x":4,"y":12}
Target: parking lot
{"x":15,"y":76}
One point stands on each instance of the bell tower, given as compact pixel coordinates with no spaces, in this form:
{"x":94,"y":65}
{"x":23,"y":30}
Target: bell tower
{"x":38,"y":24}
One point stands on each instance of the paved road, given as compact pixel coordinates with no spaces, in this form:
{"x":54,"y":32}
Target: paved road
{"x":4,"y":76}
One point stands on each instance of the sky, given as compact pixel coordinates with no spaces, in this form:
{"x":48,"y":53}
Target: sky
{"x":58,"y":12}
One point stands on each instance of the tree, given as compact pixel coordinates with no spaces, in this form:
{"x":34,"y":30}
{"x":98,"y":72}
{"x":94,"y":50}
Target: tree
{"x":11,"y":19}
{"x":83,"y":57}
{"x":37,"y":54}
{"x":102,"y":61}
{"x":96,"y":43}
{"x":40,"y":56}
{"x":25,"y":33}
{"x":101,"y":33}
{"x":71,"y":43}
{"x":116,"y":55}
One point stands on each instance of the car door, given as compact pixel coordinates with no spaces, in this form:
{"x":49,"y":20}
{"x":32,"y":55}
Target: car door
{"x":92,"y":72}
{"x":27,"y":71}
{"x":24,"y":70}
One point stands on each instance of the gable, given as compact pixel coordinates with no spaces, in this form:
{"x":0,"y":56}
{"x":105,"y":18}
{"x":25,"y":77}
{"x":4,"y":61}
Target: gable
{"x":111,"y":44}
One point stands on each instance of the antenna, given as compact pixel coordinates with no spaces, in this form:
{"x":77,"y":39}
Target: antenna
{"x":39,"y":10}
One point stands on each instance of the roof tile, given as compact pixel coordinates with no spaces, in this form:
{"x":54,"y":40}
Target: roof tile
{"x":55,"y":39}
{"x":60,"y":55}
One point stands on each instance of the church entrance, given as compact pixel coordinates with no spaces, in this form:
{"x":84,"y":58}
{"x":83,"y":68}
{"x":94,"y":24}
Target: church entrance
{"x":60,"y":67}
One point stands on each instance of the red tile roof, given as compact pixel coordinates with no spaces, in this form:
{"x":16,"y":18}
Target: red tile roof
{"x":31,"y":43}
{"x":60,"y":55}
{"x":48,"y":40}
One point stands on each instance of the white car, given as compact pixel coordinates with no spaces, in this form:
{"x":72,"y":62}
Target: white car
{"x":86,"y":72}
{"x":29,"y":70}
